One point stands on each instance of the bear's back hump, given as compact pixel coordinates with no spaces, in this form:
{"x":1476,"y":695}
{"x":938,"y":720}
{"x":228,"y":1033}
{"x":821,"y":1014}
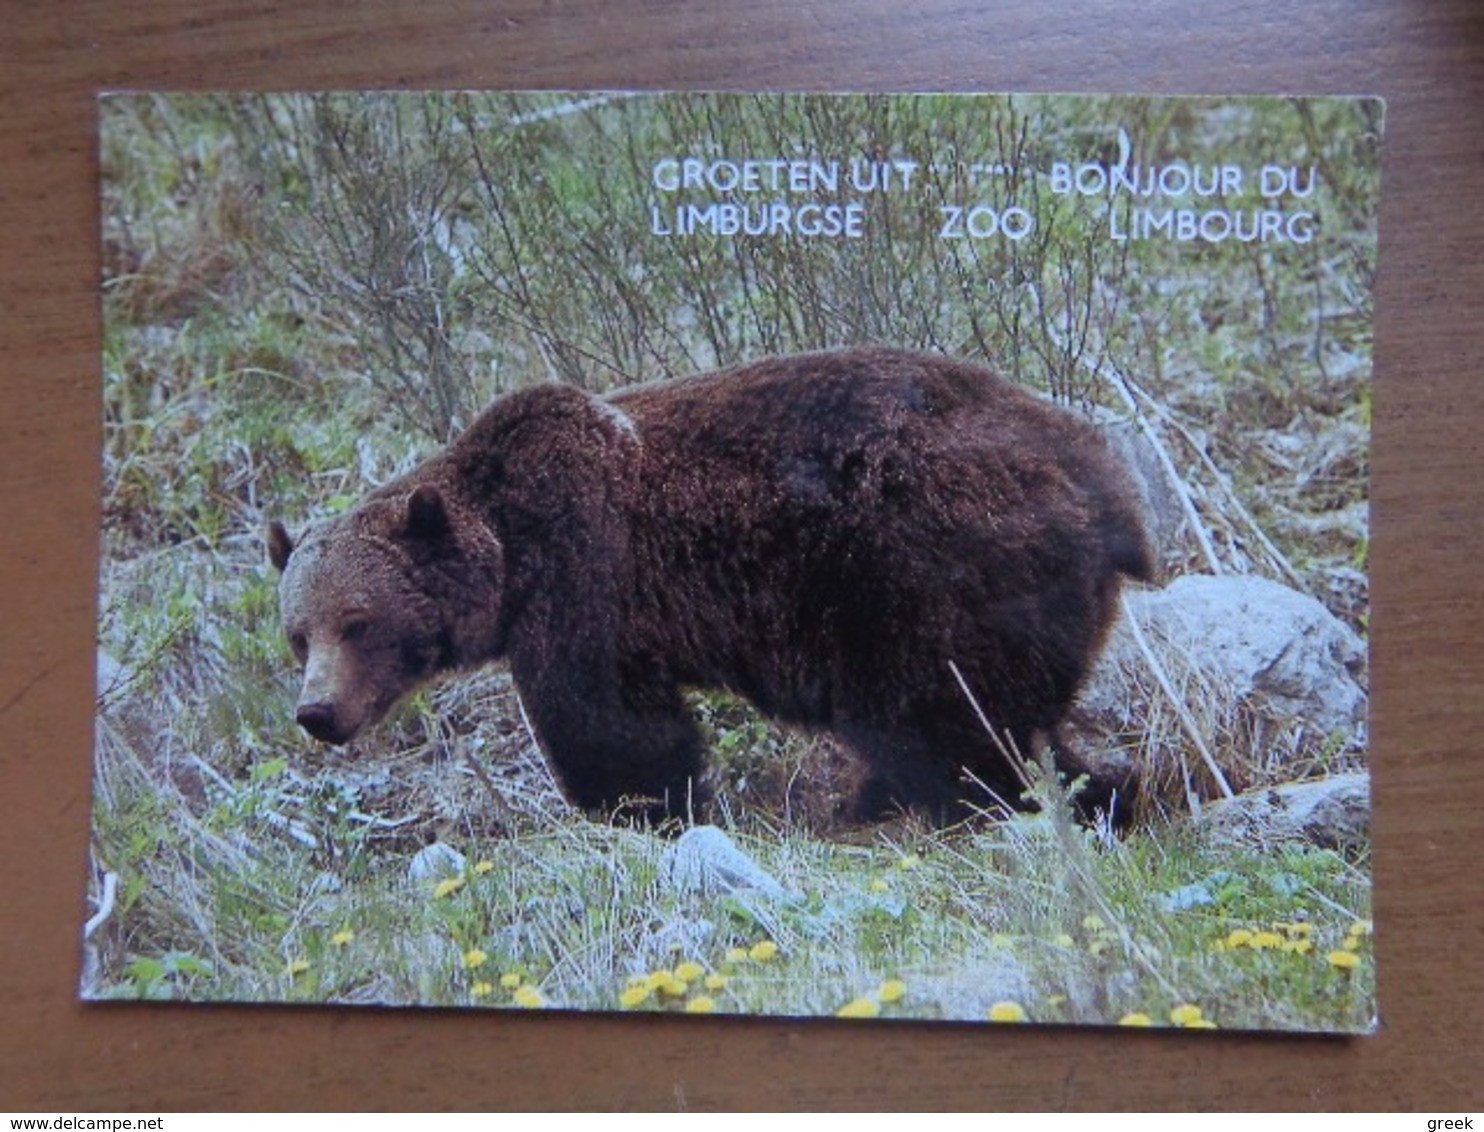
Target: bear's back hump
{"x":824,"y":399}
{"x":867,"y":430}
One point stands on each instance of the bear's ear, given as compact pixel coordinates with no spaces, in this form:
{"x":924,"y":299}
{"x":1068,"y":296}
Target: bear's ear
{"x":280,"y":546}
{"x":427,"y":515}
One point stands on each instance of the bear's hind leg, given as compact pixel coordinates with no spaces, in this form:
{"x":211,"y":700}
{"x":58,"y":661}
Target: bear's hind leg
{"x":1109,"y":784}
{"x":904,"y":775}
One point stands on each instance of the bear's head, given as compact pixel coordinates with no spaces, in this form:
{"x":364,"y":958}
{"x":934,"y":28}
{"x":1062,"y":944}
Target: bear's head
{"x":380,"y":599}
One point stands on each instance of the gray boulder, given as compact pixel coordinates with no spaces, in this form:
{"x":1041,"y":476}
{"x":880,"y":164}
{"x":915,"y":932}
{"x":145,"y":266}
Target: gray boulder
{"x":1164,"y":516}
{"x":1266,"y":675}
{"x":1333,"y":812}
{"x":704,"y":860}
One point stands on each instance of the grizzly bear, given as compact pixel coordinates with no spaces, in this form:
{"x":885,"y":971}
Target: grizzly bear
{"x":829,"y":536}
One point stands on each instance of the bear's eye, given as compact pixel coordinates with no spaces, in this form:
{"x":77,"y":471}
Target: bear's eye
{"x":300,"y":644}
{"x":353,"y":630}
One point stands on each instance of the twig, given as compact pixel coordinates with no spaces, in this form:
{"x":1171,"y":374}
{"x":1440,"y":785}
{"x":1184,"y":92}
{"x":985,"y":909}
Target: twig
{"x":1187,"y":503}
{"x":1013,"y":757}
{"x":105,"y":905}
{"x":1274,"y":554}
{"x":1187,"y":721}
{"x":502,"y":807}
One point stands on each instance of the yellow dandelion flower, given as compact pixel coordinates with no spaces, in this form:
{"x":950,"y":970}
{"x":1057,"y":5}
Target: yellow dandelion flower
{"x":475,"y":958}
{"x":1262,"y":941}
{"x":341,"y":938}
{"x":1007,"y":1012}
{"x":701,"y":1004}
{"x":633,"y":996}
{"x":1137,"y":1018}
{"x":1201,"y":1024}
{"x":736,"y":955}
{"x":1097,"y":947}
{"x":859,"y":1008}
{"x":510,"y":980}
{"x":484,"y":867}
{"x":1352,"y":943}
{"x":1362,"y":927}
{"x":716,"y":982}
{"x":673,"y":987}
{"x":1343,"y":960}
{"x":448,"y":887}
{"x":1298,"y":946}
{"x":528,"y":998}
{"x":1301,"y":928}
{"x":878,"y":885}
{"x":481,"y":990}
{"x":910,"y":861}
{"x":1185,"y":1014}
{"x":1241,"y":937}
{"x":296,"y":967}
{"x":893,"y":990}
{"x":763,"y":951}
{"x":1094,"y":924}
{"x":1064,"y":940}
{"x":690,"y":972}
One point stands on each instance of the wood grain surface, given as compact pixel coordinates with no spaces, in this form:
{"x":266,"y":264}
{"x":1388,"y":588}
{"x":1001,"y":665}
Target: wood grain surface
{"x":1425,"y":56}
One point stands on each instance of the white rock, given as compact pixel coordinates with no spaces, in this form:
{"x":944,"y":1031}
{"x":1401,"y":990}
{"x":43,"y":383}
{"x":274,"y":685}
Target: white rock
{"x":437,"y":862}
{"x":705,"y":860}
{"x":1268,"y":647}
{"x":1333,"y":812}
{"x":1267,"y":678}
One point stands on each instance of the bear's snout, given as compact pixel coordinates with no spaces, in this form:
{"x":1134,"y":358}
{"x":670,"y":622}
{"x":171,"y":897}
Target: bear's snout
{"x":319,"y":720}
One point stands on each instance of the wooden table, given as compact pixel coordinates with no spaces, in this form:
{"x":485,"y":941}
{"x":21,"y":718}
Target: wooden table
{"x":1425,"y":56}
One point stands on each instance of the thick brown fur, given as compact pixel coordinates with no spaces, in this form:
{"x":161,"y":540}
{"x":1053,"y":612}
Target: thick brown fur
{"x":822,"y":534}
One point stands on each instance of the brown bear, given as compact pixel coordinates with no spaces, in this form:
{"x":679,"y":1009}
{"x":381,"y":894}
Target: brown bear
{"x":826,"y":535}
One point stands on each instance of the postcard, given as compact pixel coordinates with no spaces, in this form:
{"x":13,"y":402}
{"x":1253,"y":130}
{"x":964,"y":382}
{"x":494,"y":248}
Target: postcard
{"x":894,"y":557}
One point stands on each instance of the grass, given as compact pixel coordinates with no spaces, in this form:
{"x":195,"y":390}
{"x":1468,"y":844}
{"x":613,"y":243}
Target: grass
{"x":228,"y":903}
